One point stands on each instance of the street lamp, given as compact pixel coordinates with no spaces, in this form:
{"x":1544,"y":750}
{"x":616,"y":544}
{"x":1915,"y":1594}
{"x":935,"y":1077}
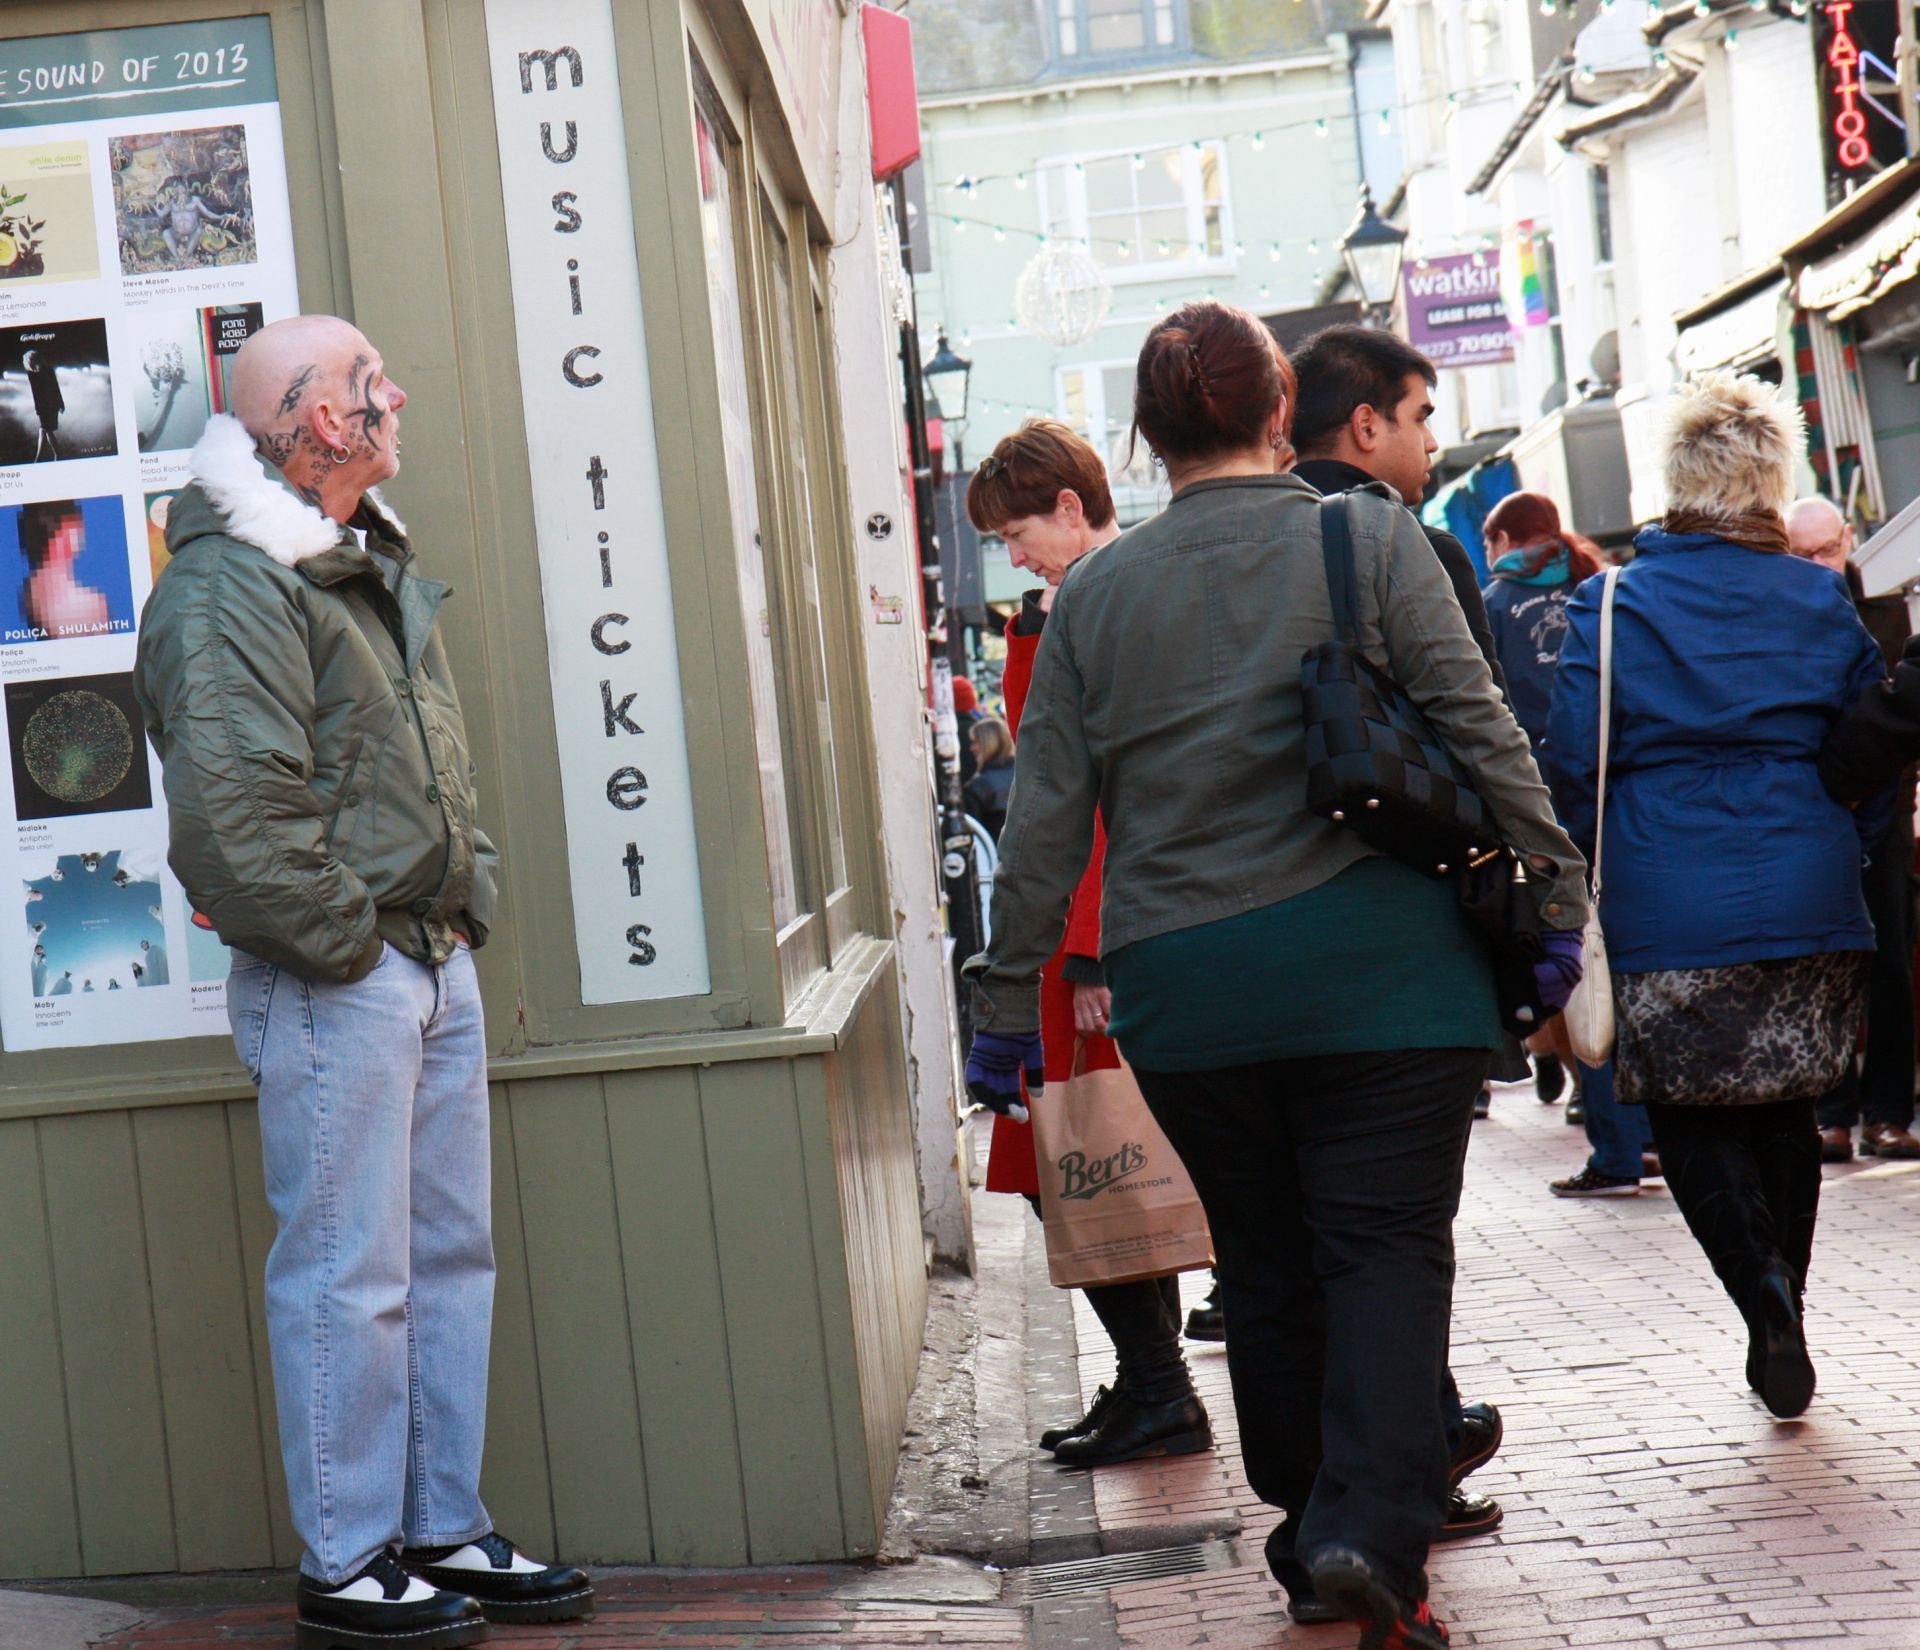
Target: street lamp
{"x":1373,"y":249}
{"x":946,"y":375}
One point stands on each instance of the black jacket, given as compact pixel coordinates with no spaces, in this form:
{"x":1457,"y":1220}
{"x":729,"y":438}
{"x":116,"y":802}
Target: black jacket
{"x":1333,"y":475}
{"x":1878,"y":737}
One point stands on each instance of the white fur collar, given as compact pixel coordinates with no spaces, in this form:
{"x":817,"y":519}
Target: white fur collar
{"x":259,"y":510}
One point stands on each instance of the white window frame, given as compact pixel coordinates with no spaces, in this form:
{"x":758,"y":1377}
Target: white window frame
{"x":1063,"y":185}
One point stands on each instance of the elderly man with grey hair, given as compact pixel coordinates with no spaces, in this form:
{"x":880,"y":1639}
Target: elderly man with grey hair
{"x":321,"y":812}
{"x":1879,"y":1094}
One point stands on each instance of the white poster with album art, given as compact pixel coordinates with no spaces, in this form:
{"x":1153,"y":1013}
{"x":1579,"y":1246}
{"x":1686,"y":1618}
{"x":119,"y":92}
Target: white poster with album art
{"x":145,"y":234}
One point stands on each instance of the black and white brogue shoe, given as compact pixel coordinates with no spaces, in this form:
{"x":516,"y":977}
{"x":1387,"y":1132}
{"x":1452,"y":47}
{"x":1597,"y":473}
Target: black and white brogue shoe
{"x":384,"y":1608}
{"x":509,"y":1585}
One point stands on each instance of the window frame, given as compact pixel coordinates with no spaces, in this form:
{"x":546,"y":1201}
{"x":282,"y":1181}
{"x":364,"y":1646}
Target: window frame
{"x":1069,"y":26}
{"x":1062,"y":185}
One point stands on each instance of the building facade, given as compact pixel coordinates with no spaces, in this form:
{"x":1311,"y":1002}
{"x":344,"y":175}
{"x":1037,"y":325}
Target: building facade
{"x":625,"y":259}
{"x":1192,"y":147}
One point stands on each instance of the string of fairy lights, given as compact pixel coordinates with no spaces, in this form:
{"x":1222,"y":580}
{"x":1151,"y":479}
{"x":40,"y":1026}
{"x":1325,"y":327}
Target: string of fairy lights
{"x":969,"y":186}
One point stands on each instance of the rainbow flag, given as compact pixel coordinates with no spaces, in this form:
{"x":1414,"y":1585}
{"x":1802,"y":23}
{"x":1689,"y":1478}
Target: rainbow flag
{"x":1523,"y":282}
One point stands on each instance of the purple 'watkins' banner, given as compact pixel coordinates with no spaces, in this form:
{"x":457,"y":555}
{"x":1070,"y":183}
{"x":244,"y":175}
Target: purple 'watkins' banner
{"x":1454,"y":314}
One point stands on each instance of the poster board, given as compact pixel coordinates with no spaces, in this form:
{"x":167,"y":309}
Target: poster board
{"x":145,"y":232}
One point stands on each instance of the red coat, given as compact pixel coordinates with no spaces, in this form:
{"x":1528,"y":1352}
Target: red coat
{"x":1010,"y":1164}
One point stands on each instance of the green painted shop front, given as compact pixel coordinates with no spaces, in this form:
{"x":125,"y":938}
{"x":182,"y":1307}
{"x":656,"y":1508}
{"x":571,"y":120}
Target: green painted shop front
{"x":712,"y":1280}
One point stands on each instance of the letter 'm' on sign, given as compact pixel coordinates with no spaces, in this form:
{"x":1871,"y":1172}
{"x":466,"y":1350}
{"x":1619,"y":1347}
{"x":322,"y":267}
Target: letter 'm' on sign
{"x":598,"y":517}
{"x":550,"y":61}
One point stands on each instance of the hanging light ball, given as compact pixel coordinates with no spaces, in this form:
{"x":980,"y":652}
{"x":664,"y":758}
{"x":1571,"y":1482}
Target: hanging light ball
{"x":1062,"y":296}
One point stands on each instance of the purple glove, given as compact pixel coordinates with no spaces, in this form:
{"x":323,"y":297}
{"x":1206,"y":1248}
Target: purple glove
{"x":1559,"y":971}
{"x":993,"y":1071}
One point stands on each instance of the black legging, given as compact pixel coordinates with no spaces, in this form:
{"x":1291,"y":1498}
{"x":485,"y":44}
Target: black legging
{"x":1143,"y":1321}
{"x":1747,"y":1178}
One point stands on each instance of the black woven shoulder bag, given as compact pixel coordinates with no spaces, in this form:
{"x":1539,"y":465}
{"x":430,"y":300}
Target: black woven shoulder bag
{"x":1373,"y":764}
{"x":1377,"y":768}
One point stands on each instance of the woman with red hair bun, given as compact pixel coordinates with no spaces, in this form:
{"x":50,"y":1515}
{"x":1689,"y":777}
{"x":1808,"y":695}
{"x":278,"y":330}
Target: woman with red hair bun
{"x":1308,"y":1020}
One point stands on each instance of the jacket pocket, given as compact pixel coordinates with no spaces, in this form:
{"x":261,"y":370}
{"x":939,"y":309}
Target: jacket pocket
{"x":347,"y":800}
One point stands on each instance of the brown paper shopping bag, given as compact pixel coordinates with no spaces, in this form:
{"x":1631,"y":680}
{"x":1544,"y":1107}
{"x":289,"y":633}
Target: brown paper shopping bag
{"x":1116,"y":1199}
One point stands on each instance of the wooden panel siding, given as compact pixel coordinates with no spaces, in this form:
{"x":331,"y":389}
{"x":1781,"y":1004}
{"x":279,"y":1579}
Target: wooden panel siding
{"x":711,"y":1293}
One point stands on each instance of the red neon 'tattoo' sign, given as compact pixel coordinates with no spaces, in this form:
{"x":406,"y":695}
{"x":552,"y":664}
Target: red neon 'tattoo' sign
{"x":1843,"y":57}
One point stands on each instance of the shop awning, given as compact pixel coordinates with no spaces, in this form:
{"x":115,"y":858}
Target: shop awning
{"x":1866,"y":270}
{"x":1733,"y":335}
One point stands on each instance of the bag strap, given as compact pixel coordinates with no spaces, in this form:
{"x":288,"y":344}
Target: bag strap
{"x":1342,"y":585}
{"x":1606,"y":720}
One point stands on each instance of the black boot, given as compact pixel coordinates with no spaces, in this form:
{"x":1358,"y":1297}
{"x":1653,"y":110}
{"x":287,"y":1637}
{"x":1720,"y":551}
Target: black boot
{"x":1132,"y":1429}
{"x":384,"y":1608}
{"x":509,"y":1585}
{"x":1206,"y":1322}
{"x":1786,"y":1371}
{"x":1103,"y":1401}
{"x":1549,"y":1077}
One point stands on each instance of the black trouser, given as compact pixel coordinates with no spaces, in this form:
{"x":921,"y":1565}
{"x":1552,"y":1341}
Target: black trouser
{"x":1882,"y":1090}
{"x":1143,"y":1321}
{"x":1331,"y":1185}
{"x":1747,"y":1178}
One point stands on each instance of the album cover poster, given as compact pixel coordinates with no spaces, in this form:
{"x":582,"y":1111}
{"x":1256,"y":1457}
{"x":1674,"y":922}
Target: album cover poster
{"x":157,"y":505}
{"x":186,"y":372}
{"x":46,"y":215}
{"x":182,"y":200}
{"x":64,"y":571}
{"x":95,"y":923}
{"x":56,"y":393}
{"x":78,"y":746}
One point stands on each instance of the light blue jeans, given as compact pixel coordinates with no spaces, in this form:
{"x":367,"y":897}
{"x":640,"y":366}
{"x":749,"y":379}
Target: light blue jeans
{"x":373,"y":1125}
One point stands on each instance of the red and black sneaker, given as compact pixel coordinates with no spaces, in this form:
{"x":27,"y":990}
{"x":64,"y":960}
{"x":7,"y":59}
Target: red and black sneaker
{"x":1350,"y":1583}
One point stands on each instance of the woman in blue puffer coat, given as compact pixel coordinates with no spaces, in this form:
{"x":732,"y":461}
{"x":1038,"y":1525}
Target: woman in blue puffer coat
{"x":1735,"y":926}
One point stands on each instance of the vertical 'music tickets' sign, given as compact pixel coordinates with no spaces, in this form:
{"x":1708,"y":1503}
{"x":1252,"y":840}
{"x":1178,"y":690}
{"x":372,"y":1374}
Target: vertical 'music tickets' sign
{"x":625,"y":788}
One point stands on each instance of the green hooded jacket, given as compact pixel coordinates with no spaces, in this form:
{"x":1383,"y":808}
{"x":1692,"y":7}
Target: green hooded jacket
{"x":319,"y":789}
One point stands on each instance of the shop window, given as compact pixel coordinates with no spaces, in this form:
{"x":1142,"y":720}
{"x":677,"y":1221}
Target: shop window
{"x":750,"y":564}
{"x":1144,"y":215}
{"x":1117,"y":28}
{"x":810,"y":718}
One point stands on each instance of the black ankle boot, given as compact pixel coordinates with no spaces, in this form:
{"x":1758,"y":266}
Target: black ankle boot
{"x":381,"y":1607}
{"x":1132,"y":1429}
{"x":1097,"y":1411}
{"x":1786,"y":1371}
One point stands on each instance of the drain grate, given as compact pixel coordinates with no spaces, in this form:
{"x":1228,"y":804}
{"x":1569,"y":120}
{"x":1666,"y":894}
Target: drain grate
{"x":1096,"y":1575}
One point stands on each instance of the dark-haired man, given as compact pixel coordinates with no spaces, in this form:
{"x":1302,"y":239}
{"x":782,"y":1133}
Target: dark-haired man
{"x":1362,"y":415}
{"x":1363,"y":412}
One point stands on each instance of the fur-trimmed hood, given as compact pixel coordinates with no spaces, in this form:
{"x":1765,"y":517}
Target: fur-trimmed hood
{"x":259,"y":508}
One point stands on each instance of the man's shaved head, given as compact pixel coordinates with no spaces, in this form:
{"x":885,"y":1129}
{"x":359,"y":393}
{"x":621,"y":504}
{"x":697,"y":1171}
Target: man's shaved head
{"x":313,"y":394}
{"x":283,"y":365}
{"x":1818,"y":531}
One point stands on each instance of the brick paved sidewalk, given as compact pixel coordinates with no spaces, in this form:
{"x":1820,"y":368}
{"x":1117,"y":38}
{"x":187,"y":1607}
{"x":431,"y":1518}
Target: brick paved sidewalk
{"x":1652,"y":1504}
{"x":1651,"y":1501}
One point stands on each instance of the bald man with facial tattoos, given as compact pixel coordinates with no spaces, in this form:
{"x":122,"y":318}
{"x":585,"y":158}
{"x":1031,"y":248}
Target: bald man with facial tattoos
{"x":321,"y":807}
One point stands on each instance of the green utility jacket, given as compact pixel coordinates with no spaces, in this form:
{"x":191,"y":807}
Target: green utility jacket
{"x":1167,"y":691}
{"x":317,"y":777}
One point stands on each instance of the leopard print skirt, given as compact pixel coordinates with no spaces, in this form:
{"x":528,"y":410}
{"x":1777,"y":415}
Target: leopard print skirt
{"x":1742,"y":1035}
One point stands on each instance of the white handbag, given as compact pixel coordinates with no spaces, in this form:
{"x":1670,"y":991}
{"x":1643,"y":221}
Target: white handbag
{"x":1589,"y":1011}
